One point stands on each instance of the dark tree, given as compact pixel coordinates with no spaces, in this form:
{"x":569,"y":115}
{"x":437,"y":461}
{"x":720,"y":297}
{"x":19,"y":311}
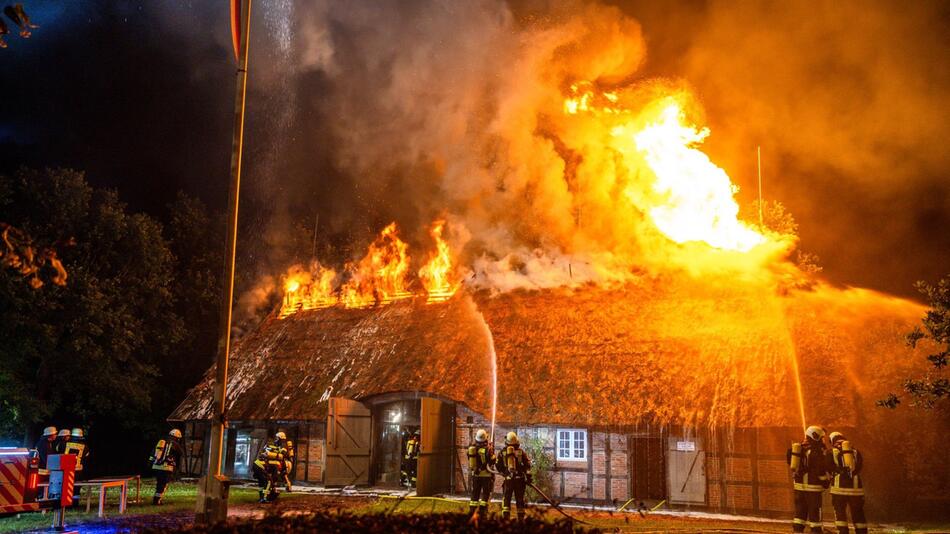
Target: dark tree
{"x":79,"y":353}
{"x":196,"y":238}
{"x":934,"y":387}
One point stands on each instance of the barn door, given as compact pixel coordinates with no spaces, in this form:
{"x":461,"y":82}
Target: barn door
{"x":687,"y":473}
{"x":349,"y":439}
{"x":435,"y":453}
{"x":647,"y":466}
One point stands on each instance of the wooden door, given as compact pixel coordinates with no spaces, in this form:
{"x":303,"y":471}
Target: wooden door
{"x":687,"y":470}
{"x":647,"y":466}
{"x":436,"y":449}
{"x":349,"y":442}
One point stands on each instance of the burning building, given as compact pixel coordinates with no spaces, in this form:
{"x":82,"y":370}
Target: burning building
{"x":592,"y":285}
{"x":656,"y":391}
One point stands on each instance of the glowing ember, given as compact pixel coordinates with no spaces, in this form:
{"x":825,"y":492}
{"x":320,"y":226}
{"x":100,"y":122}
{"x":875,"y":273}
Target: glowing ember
{"x":435,"y":274}
{"x":307,"y":290}
{"x":380,"y":275}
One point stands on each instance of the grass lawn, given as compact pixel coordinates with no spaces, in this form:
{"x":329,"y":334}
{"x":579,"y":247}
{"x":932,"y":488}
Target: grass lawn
{"x":180,"y":503}
{"x":179,"y":497}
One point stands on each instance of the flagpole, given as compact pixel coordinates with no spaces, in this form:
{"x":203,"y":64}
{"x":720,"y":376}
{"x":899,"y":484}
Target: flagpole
{"x":758,"y":153}
{"x":212,"y":504}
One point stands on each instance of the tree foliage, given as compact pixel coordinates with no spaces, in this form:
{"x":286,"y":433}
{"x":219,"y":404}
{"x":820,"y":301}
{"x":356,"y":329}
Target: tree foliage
{"x":542,"y":466}
{"x":934,"y":387}
{"x":114,"y":349}
{"x":777,"y":219}
{"x":91,"y":346}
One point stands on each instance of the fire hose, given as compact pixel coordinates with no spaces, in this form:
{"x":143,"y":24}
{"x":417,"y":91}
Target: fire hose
{"x":557,"y":506}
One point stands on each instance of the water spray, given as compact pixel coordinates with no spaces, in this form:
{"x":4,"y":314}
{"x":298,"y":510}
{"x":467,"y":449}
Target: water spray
{"x":493,"y":366}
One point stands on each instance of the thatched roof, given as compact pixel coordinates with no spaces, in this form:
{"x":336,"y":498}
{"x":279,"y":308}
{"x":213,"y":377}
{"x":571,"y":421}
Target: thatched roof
{"x":682,"y":353}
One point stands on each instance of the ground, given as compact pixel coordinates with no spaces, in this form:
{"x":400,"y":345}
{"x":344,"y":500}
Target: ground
{"x":178,"y":512}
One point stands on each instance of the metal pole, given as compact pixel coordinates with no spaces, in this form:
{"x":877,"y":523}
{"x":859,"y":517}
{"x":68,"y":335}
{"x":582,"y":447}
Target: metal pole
{"x":758,"y":153}
{"x":316,"y":224}
{"x":212,"y":505}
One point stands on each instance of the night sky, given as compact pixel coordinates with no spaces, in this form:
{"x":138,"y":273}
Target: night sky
{"x":140,"y":96}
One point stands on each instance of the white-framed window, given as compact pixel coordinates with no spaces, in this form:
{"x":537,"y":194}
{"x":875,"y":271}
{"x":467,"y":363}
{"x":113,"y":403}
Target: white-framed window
{"x":572,"y":444}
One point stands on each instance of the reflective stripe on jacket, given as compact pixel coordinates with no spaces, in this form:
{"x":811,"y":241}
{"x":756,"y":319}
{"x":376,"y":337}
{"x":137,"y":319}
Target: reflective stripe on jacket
{"x":846,"y":481}
{"x":812,"y":475}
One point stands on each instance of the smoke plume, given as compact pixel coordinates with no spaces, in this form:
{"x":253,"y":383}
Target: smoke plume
{"x":411,"y":111}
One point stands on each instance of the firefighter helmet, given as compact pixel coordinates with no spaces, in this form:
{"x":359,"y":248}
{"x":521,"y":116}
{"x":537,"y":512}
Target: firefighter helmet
{"x":175,"y":433}
{"x":77,"y":433}
{"x":280,"y":435}
{"x":417,"y":433}
{"x":49,"y":431}
{"x":835,"y":437}
{"x":511,"y":438}
{"x":815,"y":433}
{"x":481,"y":436}
{"x":64,"y":433}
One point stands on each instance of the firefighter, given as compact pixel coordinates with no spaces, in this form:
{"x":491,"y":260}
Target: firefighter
{"x":165,"y":461}
{"x":267,"y":469}
{"x":287,"y":467}
{"x":847,"y":486}
{"x":76,"y":445}
{"x":411,"y":459}
{"x":59,"y":444}
{"x":481,"y":456}
{"x":514,"y":464}
{"x":404,"y":437}
{"x":810,"y":473}
{"x":44,"y":447}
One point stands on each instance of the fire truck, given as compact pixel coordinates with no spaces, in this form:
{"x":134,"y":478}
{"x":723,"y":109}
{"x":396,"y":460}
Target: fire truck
{"x":20,"y":483}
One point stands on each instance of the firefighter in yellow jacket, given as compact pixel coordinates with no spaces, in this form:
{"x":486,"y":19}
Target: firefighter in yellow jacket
{"x":281,"y":441}
{"x":514,"y":464}
{"x":267,"y":469}
{"x":847,"y":486}
{"x":76,"y":445}
{"x":810,"y":473}
{"x":410,"y":460}
{"x":165,"y":461}
{"x":481,"y":456}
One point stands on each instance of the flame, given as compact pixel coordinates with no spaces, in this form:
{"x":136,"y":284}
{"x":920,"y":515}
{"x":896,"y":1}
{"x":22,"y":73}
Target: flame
{"x":435,"y":274}
{"x":700,"y":203}
{"x":381,"y":274}
{"x":692,"y":198}
{"x":17,"y":252}
{"x":307,"y":290}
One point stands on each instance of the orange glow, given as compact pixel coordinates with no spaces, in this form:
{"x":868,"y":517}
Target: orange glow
{"x":17,"y":252}
{"x":436,"y":274}
{"x":692,"y":199}
{"x":699,"y":196}
{"x":381,"y":275}
{"x":307,"y":289}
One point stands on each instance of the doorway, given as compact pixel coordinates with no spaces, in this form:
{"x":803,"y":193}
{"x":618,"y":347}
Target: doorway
{"x":687,"y":469}
{"x":647,"y":465}
{"x":366,"y":441}
{"x":395,"y":422}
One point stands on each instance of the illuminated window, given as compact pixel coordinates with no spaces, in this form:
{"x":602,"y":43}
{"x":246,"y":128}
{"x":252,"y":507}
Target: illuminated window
{"x":572,"y":444}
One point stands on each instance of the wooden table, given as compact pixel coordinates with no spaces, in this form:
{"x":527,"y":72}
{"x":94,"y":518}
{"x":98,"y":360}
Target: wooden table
{"x":111,"y":482}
